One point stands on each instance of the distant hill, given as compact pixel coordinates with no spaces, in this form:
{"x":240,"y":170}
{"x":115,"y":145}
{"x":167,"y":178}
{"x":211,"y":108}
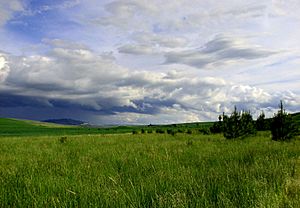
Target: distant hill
{"x":296,"y":118}
{"x":65,"y":121}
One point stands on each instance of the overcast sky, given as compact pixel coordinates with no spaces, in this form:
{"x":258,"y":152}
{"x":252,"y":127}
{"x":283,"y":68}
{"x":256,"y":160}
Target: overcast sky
{"x":141,"y":61}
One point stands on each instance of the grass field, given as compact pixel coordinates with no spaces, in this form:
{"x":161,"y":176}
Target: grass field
{"x":21,"y":128}
{"x":48,"y":165}
{"x":148,"y":170}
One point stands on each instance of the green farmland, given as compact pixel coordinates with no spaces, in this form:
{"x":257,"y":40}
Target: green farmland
{"x":56,"y":166}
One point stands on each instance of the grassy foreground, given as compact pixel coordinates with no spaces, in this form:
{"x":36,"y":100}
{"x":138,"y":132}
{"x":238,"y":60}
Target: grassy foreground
{"x":149,"y":170}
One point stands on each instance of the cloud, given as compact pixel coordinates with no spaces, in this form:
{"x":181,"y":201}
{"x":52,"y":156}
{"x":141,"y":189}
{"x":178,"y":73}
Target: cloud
{"x":91,"y":83}
{"x":152,"y":44}
{"x":137,"y":49}
{"x":218,"y":51}
{"x":162,"y":40}
{"x":4,"y":69}
{"x":7,"y":9}
{"x":182,"y":15}
{"x":59,"y":43}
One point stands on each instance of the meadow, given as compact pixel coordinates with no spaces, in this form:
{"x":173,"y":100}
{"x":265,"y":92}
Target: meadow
{"x":20,"y":128}
{"x":148,"y":170}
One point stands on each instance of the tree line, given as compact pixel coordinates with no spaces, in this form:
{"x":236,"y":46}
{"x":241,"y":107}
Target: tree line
{"x":241,"y":124}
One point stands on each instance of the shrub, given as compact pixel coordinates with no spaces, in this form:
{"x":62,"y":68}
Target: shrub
{"x":63,"y":139}
{"x":160,"y":131}
{"x":189,"y":131}
{"x":181,"y":131}
{"x":143,"y":131}
{"x":204,"y":131}
{"x":135,"y":132}
{"x":171,"y":131}
{"x":282,"y":126}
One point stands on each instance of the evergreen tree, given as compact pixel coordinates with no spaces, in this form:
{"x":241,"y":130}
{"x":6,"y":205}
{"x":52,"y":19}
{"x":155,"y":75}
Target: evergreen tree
{"x":231,"y":125}
{"x":238,"y":124}
{"x":282,"y":126}
{"x":261,"y":122}
{"x":247,"y":123}
{"x":217,"y":126}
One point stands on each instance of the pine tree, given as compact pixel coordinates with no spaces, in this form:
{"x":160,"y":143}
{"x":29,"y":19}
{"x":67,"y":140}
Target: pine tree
{"x":231,"y":125}
{"x":238,"y":124}
{"x":247,"y":123}
{"x":217,"y":126}
{"x":282,"y":126}
{"x":261,"y":124}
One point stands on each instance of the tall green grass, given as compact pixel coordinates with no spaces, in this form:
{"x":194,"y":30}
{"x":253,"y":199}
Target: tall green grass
{"x":148,"y":170}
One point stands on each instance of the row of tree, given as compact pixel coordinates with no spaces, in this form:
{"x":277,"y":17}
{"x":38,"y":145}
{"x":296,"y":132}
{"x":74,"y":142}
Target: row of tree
{"x":241,"y":124}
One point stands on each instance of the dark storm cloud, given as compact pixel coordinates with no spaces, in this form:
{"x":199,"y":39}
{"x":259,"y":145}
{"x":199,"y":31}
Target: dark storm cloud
{"x":8,"y":100}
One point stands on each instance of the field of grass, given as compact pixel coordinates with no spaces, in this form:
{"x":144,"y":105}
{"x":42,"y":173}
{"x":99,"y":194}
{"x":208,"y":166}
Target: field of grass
{"x":148,"y":170}
{"x":21,"y":128}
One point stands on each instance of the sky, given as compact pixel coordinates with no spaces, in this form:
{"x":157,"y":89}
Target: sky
{"x":142,"y":62}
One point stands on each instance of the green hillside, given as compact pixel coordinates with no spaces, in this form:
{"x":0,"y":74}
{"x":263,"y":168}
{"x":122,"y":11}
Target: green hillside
{"x":66,"y":166}
{"x":16,"y":127}
{"x":296,"y":118}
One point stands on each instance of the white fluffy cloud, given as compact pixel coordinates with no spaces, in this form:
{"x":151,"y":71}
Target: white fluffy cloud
{"x":4,"y":69}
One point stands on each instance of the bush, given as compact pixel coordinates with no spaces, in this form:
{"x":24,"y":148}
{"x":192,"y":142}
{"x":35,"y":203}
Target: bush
{"x":135,"y":132}
{"x":181,"y":131}
{"x":63,"y":139}
{"x":189,"y":131}
{"x":160,"y":131}
{"x":204,"y":131}
{"x":238,"y":125}
{"x":171,"y":131}
{"x":282,"y":126}
{"x":143,"y":131}
{"x":189,"y":143}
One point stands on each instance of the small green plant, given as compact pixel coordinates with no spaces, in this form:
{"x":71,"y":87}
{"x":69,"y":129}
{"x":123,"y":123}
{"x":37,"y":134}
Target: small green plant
{"x":135,"y":132}
{"x":282,"y":126}
{"x":160,"y":131}
{"x":143,"y":131}
{"x":189,"y":142}
{"x":149,"y":131}
{"x":63,"y":139}
{"x":171,"y":131}
{"x":181,"y":131}
{"x":189,"y":131}
{"x":204,"y":131}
